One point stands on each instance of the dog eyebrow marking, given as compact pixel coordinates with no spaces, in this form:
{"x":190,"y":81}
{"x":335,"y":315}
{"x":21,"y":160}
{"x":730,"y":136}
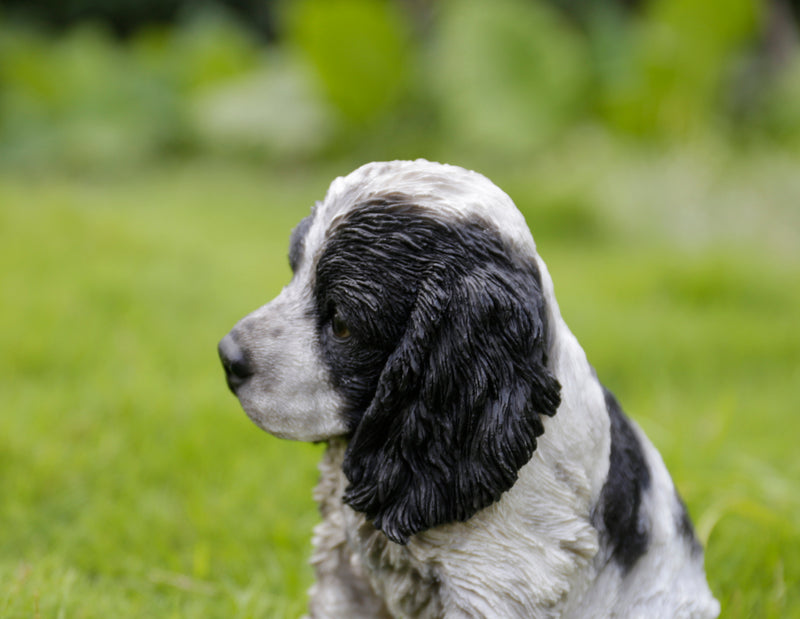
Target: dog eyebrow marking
{"x":297,"y":241}
{"x":621,"y":497}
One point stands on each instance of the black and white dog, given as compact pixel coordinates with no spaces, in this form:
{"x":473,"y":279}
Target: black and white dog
{"x":475,"y":467}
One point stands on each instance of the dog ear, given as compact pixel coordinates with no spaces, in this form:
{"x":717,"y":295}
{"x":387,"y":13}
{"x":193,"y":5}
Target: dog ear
{"x":457,"y":408}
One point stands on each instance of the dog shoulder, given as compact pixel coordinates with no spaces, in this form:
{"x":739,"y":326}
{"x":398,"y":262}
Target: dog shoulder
{"x":650,"y":557}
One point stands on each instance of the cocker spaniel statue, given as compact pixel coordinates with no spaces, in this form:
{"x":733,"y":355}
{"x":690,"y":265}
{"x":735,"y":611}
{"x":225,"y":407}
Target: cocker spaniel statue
{"x":475,"y":465}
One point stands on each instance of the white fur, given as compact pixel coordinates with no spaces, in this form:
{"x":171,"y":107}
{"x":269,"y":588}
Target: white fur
{"x":533,"y":553}
{"x":290,"y":395}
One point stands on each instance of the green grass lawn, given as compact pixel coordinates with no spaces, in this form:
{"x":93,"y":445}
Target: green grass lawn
{"x":133,"y":485}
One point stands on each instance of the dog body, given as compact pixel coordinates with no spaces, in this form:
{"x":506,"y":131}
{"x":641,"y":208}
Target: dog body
{"x":475,"y":467}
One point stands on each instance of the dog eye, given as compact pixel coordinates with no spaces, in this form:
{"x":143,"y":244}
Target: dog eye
{"x":339,"y":327}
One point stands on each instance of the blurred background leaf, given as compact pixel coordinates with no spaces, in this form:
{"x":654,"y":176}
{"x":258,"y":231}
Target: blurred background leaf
{"x":508,"y":75}
{"x":360,"y":50}
{"x":680,"y":54}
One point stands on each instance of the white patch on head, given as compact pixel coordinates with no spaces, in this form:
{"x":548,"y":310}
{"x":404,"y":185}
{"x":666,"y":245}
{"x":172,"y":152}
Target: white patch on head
{"x":449,"y":191}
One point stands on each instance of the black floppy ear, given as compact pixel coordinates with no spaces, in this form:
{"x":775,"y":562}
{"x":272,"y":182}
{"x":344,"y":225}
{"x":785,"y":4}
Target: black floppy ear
{"x":457,"y":408}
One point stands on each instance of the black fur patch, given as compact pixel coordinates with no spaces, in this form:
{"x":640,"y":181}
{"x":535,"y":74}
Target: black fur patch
{"x":685,"y":527}
{"x":628,"y":479}
{"x":445,"y":365}
{"x":297,"y":241}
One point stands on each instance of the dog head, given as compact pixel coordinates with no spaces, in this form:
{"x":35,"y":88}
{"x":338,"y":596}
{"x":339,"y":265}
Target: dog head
{"x":416,"y":327}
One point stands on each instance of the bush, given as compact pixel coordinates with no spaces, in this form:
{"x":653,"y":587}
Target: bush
{"x":502,"y":81}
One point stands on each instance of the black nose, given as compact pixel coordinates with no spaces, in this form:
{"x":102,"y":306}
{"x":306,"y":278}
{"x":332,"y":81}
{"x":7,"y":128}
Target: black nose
{"x":237,"y":367}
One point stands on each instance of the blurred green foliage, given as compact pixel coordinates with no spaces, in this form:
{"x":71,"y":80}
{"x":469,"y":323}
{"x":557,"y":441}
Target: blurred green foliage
{"x":677,"y":59}
{"x":360,"y":51}
{"x":83,"y":100}
{"x":507,"y":76}
{"x":505,"y":79}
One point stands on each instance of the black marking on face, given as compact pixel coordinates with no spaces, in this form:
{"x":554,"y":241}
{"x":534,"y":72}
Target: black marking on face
{"x":444,"y":367}
{"x":297,"y":241}
{"x":621,"y":498}
{"x":367,"y":279}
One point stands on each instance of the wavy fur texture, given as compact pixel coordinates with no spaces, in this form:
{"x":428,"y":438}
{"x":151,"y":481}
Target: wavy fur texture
{"x":476,"y":467}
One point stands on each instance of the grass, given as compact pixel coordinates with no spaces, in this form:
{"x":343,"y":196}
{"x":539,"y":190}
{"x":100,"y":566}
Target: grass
{"x":133,"y":485}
